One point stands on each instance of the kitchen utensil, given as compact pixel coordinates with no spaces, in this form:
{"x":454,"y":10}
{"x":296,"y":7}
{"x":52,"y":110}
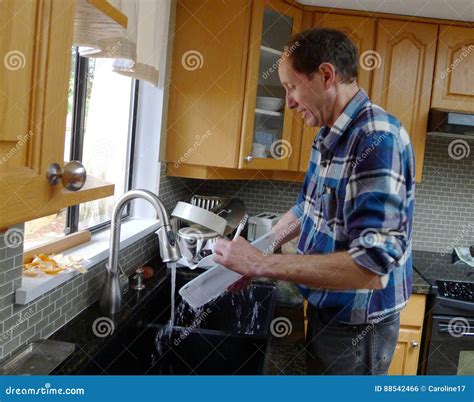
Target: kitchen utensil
{"x":233,"y":212}
{"x":211,"y":203}
{"x":269,"y":103}
{"x":208,"y":260}
{"x":216,"y":280}
{"x":192,"y":240}
{"x":241,"y":226}
{"x":200,"y":216}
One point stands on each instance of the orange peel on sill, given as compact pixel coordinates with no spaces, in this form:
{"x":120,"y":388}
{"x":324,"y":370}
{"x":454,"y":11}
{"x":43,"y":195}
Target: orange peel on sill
{"x":52,"y":265}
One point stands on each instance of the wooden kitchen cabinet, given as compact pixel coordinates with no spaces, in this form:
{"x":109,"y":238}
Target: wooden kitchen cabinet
{"x":453,"y":87}
{"x":405,"y":358}
{"x":407,"y":351}
{"x":361,"y":30}
{"x":403,"y":82}
{"x":276,"y":129}
{"x":35,"y":44}
{"x":215,"y":110}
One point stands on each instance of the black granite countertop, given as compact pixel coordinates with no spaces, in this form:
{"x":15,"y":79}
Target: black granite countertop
{"x":439,"y":266}
{"x":420,"y":285}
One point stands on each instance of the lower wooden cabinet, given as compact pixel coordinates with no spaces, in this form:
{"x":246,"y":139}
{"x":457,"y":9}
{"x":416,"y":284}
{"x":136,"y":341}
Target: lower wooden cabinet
{"x":405,"y":358}
{"x":407,"y":352}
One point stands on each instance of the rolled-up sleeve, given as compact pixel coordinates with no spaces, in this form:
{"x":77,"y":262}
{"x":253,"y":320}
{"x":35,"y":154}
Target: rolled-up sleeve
{"x":376,"y":204}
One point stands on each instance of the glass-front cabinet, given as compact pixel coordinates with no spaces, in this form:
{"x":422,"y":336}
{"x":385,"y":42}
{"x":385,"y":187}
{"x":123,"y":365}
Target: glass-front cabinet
{"x":271,"y":133}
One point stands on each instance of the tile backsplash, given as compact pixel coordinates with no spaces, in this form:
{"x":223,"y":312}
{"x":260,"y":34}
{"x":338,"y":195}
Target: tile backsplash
{"x":444,"y":212}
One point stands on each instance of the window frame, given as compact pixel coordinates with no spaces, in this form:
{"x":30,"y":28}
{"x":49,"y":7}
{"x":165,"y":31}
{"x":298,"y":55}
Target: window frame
{"x":77,"y":139}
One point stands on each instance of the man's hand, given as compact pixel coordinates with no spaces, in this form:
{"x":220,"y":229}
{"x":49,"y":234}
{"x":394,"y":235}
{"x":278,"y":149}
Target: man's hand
{"x":239,"y":256}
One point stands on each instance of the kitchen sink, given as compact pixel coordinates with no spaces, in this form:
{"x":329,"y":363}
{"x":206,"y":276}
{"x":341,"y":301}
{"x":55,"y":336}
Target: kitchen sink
{"x":226,"y":336}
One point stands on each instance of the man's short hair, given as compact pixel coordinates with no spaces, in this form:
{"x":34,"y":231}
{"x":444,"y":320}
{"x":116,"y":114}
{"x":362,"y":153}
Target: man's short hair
{"x":309,"y":49}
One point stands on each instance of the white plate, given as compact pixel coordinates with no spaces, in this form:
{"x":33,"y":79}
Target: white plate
{"x":215,"y":281}
{"x":269,"y":103}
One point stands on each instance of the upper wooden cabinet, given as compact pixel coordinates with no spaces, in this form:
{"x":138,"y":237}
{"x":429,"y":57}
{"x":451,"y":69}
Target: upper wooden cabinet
{"x":271,"y":132}
{"x":217,"y":126}
{"x":207,"y":83}
{"x":402,"y":83}
{"x":219,"y":116}
{"x":361,"y":30}
{"x":35,"y":46}
{"x":454,"y":77}
{"x":34,"y":81}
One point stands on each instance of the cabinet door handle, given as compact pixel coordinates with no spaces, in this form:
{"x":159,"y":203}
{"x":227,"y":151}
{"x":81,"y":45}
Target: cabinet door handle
{"x":73,"y":175}
{"x":414,"y":344}
{"x":249,"y":158}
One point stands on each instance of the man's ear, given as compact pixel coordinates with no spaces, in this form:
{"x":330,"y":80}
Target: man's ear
{"x":328,"y":74}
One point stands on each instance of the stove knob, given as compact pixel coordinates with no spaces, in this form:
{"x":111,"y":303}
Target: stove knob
{"x":414,"y":344}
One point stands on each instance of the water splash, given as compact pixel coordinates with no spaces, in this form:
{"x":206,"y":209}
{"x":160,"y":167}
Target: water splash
{"x":172,"y":265}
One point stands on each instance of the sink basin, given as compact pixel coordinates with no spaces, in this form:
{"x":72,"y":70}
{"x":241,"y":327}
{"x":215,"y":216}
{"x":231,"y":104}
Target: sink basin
{"x":227,"y":336}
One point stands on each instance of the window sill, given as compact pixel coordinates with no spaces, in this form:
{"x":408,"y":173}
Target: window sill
{"x":95,"y":251}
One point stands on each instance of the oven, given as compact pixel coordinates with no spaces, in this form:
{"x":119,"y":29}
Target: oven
{"x":451,"y":346}
{"x":450,"y":337}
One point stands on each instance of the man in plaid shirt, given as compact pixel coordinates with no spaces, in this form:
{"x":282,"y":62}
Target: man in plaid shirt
{"x":353,"y":216}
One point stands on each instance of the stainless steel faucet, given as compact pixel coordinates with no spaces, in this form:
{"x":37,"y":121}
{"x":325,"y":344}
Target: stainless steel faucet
{"x":111,"y":298}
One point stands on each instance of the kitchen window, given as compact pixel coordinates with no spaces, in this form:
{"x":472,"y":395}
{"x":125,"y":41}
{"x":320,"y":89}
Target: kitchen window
{"x":100,"y":131}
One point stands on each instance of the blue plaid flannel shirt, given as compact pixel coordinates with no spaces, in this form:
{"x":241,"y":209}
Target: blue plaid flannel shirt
{"x":358,"y":196}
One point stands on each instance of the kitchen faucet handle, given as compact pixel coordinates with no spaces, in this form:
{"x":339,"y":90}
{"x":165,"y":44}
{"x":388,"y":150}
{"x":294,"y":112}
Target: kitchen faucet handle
{"x":139,"y":279}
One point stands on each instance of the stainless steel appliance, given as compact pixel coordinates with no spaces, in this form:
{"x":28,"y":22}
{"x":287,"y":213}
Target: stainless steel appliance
{"x":448,"y":347}
{"x":451,"y":122}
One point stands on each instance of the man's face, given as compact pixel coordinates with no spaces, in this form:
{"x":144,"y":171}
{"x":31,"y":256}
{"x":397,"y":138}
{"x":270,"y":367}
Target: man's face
{"x":306,"y":95}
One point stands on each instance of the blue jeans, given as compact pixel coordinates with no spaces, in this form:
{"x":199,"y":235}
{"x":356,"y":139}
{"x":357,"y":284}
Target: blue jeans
{"x":344,"y":349}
